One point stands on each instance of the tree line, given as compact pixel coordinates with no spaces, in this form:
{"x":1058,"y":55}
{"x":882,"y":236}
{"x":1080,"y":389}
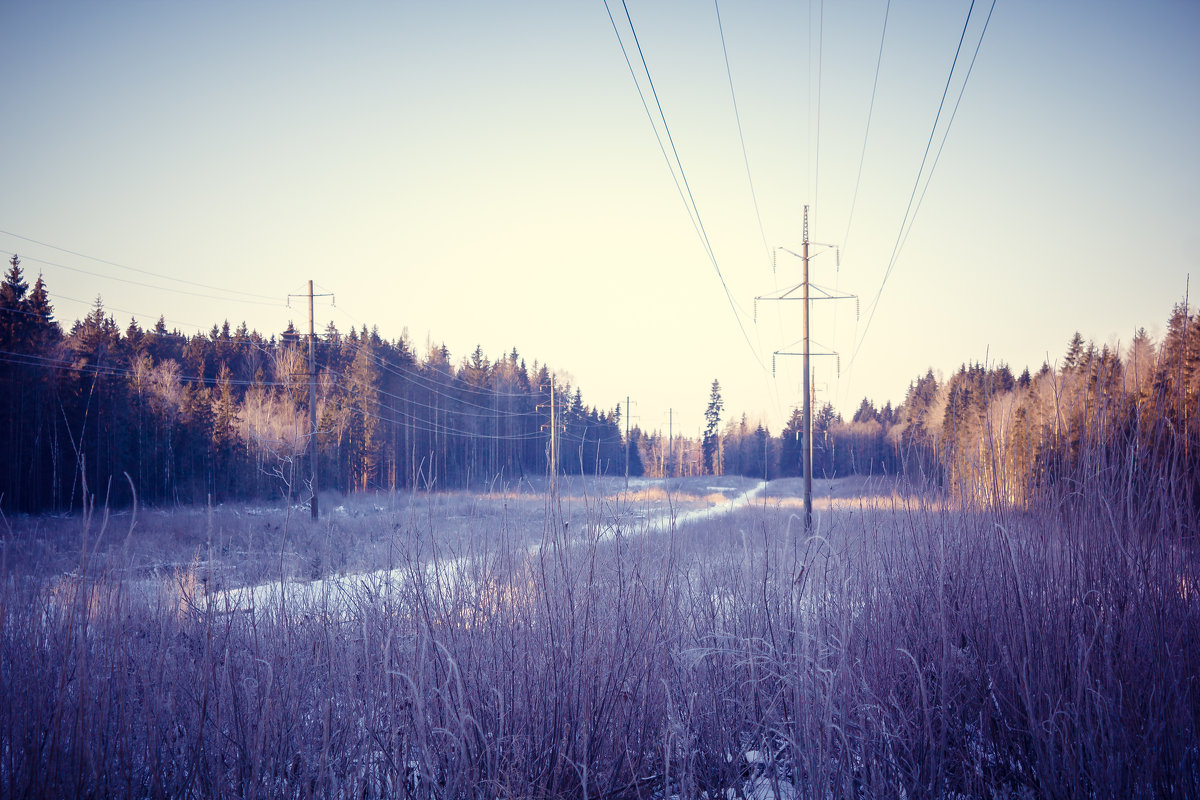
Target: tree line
{"x":1126,"y":417}
{"x":224,"y":416}
{"x":193,"y":419}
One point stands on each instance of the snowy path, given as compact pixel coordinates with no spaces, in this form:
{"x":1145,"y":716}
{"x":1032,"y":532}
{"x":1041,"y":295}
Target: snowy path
{"x":337,"y":593}
{"x":696,"y":514}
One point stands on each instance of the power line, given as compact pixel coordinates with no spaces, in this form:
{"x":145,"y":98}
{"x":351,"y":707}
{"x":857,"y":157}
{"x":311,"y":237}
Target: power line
{"x":741,"y":137}
{"x":117,"y":371}
{"x":101,"y":369}
{"x":866,"y":133}
{"x":134,"y":269}
{"x":953,"y":113}
{"x":862,"y":157}
{"x":820,"y":65}
{"x":147,"y":285}
{"x":92,"y":304}
{"x":671,"y":140}
{"x":901,"y":235}
{"x":773,"y":388}
{"x":414,"y":374}
{"x":650,"y":116}
{"x":683,"y":176}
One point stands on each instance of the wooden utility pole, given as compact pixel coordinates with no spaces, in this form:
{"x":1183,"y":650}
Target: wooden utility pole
{"x":312,"y":398}
{"x":553,"y":454}
{"x":807,"y":393}
{"x":312,"y":394}
{"x":626,"y":443}
{"x":553,"y":438}
{"x":806,"y":445}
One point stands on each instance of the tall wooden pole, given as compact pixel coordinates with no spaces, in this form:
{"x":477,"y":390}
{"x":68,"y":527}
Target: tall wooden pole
{"x":312,"y":398}
{"x":553,"y":440}
{"x":807,"y":445}
{"x":627,"y":443}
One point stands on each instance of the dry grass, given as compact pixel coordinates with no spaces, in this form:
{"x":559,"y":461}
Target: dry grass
{"x":902,"y":648}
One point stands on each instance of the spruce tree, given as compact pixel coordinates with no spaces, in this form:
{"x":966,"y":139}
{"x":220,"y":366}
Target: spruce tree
{"x":712,"y":427}
{"x":866,"y":412}
{"x":1074,"y":356}
{"x":12,"y":302}
{"x":791,"y":451}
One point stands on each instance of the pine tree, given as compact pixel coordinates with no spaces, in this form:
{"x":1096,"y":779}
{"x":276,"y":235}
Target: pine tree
{"x":13,"y":344}
{"x":791,"y":446}
{"x":762,"y":461}
{"x":12,"y":306}
{"x":866,"y":412}
{"x":824,"y":443}
{"x":1075,"y":353}
{"x":712,"y":427}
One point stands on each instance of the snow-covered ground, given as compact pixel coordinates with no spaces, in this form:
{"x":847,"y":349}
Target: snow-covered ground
{"x":695,"y":515}
{"x":337,"y":594}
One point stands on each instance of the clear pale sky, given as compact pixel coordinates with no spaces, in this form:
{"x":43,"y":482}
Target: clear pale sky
{"x":485,"y":173}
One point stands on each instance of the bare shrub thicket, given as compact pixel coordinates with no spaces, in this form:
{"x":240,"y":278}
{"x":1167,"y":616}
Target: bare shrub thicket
{"x":904,"y":647}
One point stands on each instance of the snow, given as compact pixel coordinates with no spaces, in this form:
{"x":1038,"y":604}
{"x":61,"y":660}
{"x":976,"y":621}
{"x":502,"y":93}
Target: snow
{"x":337,"y":594}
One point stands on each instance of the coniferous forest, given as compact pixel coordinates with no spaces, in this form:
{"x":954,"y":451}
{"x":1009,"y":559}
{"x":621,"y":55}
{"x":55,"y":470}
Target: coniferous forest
{"x":224,"y":416}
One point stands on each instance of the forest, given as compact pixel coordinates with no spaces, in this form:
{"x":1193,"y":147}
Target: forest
{"x":224,"y":416}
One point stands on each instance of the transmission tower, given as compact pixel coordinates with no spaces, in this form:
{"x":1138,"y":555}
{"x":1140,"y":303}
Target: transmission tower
{"x":808,"y":293}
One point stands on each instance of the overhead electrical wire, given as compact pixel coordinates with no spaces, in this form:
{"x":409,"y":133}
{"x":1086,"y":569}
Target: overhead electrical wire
{"x":820,"y":64}
{"x":117,"y":371}
{"x":773,"y":387}
{"x":100,"y":369}
{"x":862,"y":157}
{"x":414,"y":373}
{"x":92,"y":303}
{"x":136,"y":269}
{"x":388,"y":413}
{"x":187,"y":292}
{"x":653,"y":125}
{"x":953,"y":113}
{"x":741,"y":137}
{"x":690,"y":202}
{"x":909,"y":214}
{"x":674,"y":150}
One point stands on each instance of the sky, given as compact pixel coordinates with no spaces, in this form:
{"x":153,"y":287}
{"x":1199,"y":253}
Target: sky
{"x":487,"y":173}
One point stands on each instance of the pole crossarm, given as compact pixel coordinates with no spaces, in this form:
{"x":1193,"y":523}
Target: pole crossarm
{"x":787,"y":294}
{"x":790,"y":353}
{"x":811,"y":256}
{"x":305,"y":294}
{"x":808,"y":354}
{"x":825,"y":294}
